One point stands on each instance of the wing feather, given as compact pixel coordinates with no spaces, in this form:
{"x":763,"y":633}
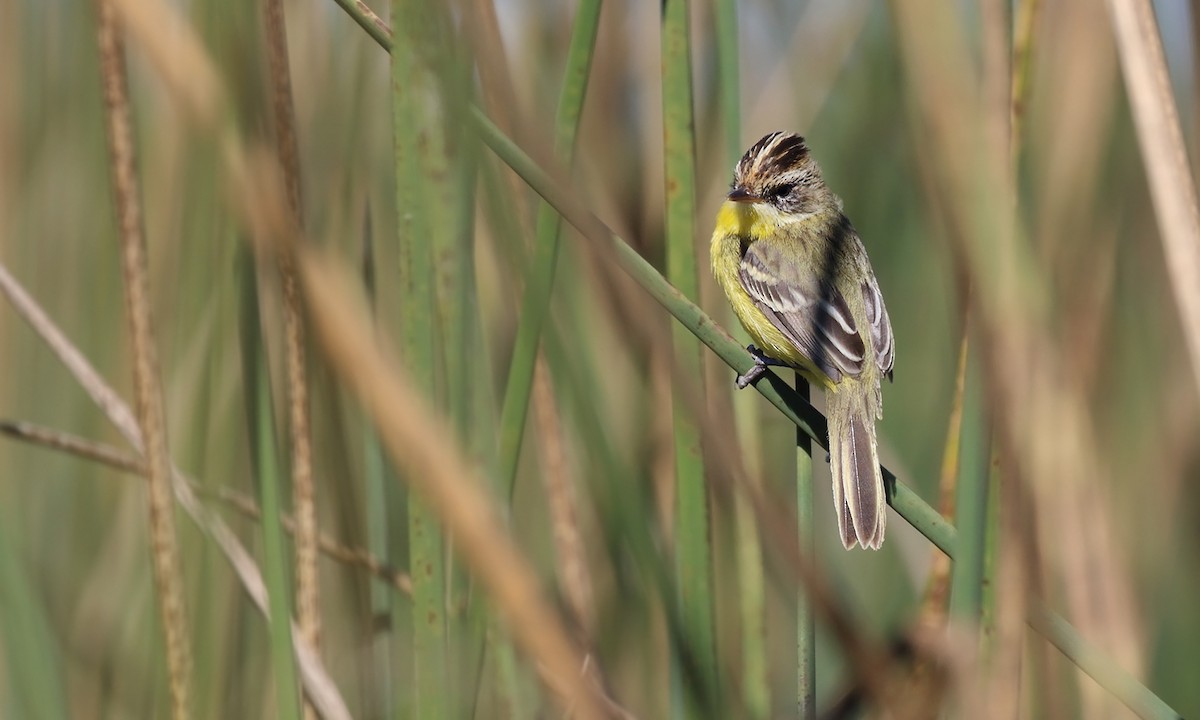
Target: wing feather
{"x":815,"y":318}
{"x":882,"y":339}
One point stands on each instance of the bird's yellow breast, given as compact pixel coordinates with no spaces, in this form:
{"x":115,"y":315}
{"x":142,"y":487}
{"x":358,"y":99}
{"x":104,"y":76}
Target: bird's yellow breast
{"x":739,"y":224}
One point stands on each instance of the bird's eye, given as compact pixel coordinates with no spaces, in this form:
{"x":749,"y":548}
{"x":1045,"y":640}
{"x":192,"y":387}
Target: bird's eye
{"x":780,"y":191}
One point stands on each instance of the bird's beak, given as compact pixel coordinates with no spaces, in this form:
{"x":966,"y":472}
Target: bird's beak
{"x":741,"y":195}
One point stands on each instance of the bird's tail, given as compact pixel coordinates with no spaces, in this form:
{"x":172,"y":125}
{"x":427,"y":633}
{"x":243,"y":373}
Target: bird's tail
{"x":858,"y":492}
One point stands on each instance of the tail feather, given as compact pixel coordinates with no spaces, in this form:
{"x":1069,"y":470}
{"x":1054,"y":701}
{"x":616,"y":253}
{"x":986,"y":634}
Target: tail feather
{"x":845,"y":521}
{"x":857,"y":481}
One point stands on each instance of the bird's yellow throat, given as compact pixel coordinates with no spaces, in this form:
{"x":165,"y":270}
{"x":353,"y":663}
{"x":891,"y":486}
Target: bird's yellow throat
{"x":749,"y":220}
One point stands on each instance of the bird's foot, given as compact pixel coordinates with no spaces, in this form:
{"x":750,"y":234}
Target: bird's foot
{"x":761,"y":363}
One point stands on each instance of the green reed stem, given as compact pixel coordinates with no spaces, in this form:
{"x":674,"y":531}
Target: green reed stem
{"x":693,"y":555}
{"x":728,"y":76}
{"x":414,"y":225}
{"x":966,"y":580}
{"x":991,"y":551}
{"x":540,"y":282}
{"x":751,"y":586}
{"x":260,"y":421}
{"x":806,"y":628}
{"x":376,"y":482}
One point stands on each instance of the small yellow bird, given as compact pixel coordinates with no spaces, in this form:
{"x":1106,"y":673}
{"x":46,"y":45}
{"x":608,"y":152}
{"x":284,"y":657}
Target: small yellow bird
{"x":800,"y":282}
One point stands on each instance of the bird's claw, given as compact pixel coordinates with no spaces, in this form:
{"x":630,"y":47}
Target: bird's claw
{"x":761,"y":363}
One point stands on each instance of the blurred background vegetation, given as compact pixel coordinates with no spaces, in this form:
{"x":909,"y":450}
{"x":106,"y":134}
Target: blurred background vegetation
{"x":392,"y":171}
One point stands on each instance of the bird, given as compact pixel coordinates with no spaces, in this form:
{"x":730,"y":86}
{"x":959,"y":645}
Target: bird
{"x":799,"y":280}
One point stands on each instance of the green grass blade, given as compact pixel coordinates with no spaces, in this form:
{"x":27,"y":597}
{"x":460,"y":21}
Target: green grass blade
{"x":540,"y":282}
{"x":693,"y":555}
{"x":260,"y":421}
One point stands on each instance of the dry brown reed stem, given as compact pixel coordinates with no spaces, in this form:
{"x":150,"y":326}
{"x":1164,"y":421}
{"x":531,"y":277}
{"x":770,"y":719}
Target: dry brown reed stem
{"x":421,"y":445}
{"x":1164,"y":153}
{"x":1042,"y":418}
{"x":73,"y":445}
{"x":562,"y":501}
{"x":308,"y":598}
{"x":151,"y":414}
{"x":112,"y":457}
{"x":1075,"y":236}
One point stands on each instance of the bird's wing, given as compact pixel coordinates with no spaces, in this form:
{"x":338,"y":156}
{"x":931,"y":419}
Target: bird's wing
{"x":813,"y":315}
{"x":881,"y":327}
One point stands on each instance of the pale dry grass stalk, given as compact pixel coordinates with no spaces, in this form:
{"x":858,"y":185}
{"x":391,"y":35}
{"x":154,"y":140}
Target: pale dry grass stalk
{"x":563,"y":503}
{"x":148,"y":392}
{"x":1164,"y":154}
{"x":177,"y":55}
{"x":304,"y":506}
{"x":419,"y":443}
{"x":117,"y":459}
{"x":1076,"y":236}
{"x":1194,"y":37}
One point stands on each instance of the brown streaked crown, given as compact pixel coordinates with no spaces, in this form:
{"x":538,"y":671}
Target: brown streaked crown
{"x":779,"y":170}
